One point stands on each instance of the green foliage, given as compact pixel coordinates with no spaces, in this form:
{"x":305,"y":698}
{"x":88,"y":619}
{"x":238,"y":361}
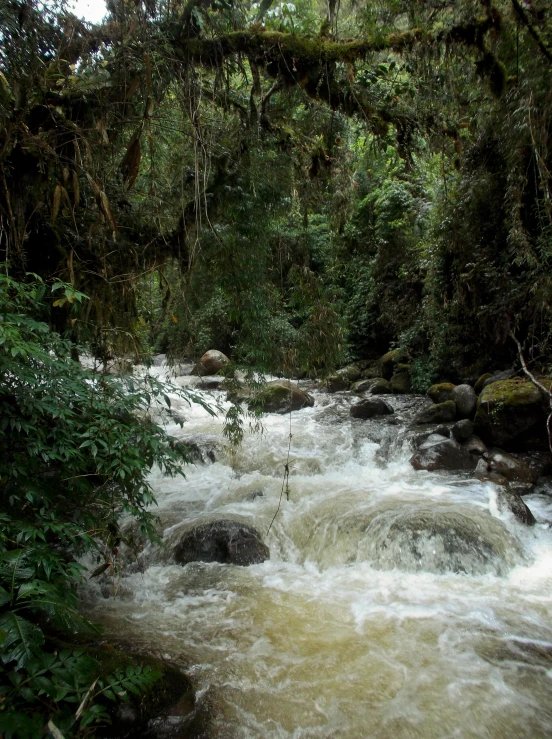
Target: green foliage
{"x":75,"y":451}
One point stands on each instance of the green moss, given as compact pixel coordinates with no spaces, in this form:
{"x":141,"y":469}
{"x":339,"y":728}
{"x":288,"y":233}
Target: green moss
{"x":438,"y":413}
{"x":400,"y":382}
{"x":513,"y":393}
{"x":441,"y":392}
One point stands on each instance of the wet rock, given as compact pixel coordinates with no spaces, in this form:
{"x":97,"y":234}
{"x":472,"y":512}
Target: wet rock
{"x":337,"y":383}
{"x":429,"y":540}
{"x":475,"y":446}
{"x":281,"y":396}
{"x":498,"y":377}
{"x":400,"y":381}
{"x":211,"y":363}
{"x":171,"y":696}
{"x":439,"y":453}
{"x":390,"y":361}
{"x":441,"y":392}
{"x":512,"y":468}
{"x":462,"y":430}
{"x":376,"y":386}
{"x":193,"y":451}
{"x":466,"y":400}
{"x":511,"y":501}
{"x":224,"y":541}
{"x":370,"y":370}
{"x":159,"y":360}
{"x":437,"y":413}
{"x":370,"y":407}
{"x":211,"y":383}
{"x":511,"y":414}
{"x":442,"y":430}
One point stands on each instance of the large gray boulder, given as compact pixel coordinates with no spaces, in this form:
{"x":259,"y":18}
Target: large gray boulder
{"x":440,"y":453}
{"x":224,"y":541}
{"x":211,"y":363}
{"x":466,"y":400}
{"x":462,"y":430}
{"x":370,"y":407}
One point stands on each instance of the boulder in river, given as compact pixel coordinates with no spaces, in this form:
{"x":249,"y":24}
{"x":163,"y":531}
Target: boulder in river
{"x":440,"y":453}
{"x":390,"y":361}
{"x":281,"y":396}
{"x":337,"y":382}
{"x":375,"y":386}
{"x":475,"y":446}
{"x":512,"y":468}
{"x":441,"y":392}
{"x":224,"y":541}
{"x":211,"y":363}
{"x":370,"y":407}
{"x":400,"y":381}
{"x":511,"y":501}
{"x":511,"y":414}
{"x":437,"y":413}
{"x":466,"y":400}
{"x":462,"y":430}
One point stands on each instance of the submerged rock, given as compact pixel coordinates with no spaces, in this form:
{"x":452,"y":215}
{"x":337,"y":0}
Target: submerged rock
{"x":224,"y":541}
{"x":437,"y":413}
{"x":511,"y":414}
{"x":422,"y":539}
{"x":211,"y":363}
{"x":370,"y":407}
{"x":440,"y":453}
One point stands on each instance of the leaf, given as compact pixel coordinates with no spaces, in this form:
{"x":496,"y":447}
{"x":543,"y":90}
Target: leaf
{"x":106,"y":209}
{"x":56,"y":200}
{"x":102,"y":129}
{"x":130,"y":164}
{"x":94,"y":185}
{"x":23,"y":640}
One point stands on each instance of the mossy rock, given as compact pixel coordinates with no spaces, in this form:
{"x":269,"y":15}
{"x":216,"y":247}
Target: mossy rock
{"x":441,"y":392}
{"x":390,"y":361}
{"x":170,"y":697}
{"x":337,"y":382}
{"x":400,"y":383}
{"x":478,"y":387}
{"x":281,"y":396}
{"x":437,"y":413}
{"x":511,"y":414}
{"x":376,"y":386}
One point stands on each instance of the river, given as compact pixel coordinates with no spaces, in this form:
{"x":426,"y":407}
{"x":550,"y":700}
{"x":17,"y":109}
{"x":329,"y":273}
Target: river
{"x":395,"y":603}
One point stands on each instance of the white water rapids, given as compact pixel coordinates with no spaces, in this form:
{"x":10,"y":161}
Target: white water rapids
{"x":395,"y":603}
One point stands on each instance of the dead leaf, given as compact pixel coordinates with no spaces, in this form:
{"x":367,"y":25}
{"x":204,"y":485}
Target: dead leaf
{"x":106,"y":210}
{"x":130,"y":165}
{"x":76,"y":189}
{"x":102,"y":129}
{"x":56,"y":200}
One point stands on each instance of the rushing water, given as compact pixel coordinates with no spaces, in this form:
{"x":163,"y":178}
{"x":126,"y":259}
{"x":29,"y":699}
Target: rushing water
{"x":395,"y":603}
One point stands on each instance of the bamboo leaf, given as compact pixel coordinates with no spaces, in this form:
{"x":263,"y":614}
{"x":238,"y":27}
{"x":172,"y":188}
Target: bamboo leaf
{"x":56,"y":200}
{"x":106,"y":210}
{"x":130,"y":165}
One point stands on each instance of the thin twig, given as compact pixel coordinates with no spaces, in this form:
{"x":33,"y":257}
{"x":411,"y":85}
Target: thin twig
{"x":540,"y":386}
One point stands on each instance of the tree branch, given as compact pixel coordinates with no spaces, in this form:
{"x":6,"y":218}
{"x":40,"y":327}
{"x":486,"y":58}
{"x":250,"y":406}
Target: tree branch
{"x":520,"y":12}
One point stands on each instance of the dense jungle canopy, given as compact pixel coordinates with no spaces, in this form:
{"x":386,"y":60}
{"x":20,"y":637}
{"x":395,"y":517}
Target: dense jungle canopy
{"x":294,"y":183}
